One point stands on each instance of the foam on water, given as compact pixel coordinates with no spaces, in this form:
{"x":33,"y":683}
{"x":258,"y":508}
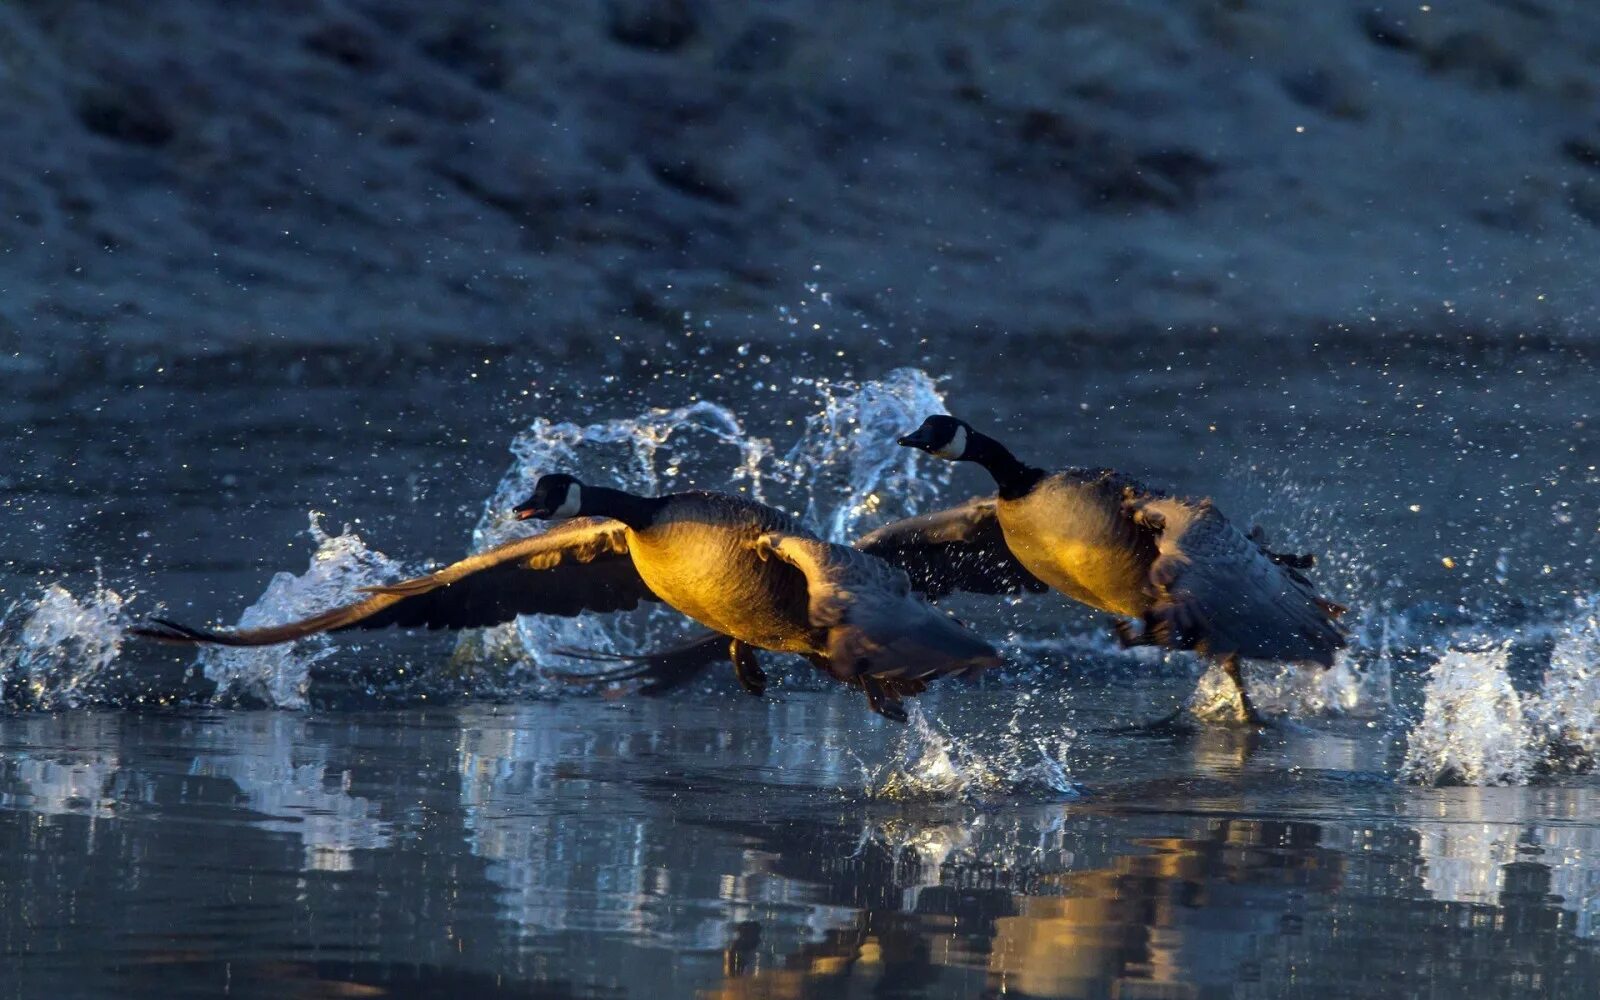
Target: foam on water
{"x":279,"y":676}
{"x":56,"y":652}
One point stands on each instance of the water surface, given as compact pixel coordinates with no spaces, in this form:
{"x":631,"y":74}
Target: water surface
{"x":405,"y":815}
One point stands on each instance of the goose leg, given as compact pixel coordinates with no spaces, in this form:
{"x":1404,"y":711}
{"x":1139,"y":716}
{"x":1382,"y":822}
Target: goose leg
{"x":751,"y":677}
{"x":1235,"y":671}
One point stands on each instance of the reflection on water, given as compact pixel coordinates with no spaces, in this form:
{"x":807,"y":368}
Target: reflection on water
{"x":283,"y":779}
{"x":729,"y":848}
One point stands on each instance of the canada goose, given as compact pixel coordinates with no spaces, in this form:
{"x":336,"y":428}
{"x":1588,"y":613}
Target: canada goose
{"x":748,"y":571}
{"x":1192,"y":578}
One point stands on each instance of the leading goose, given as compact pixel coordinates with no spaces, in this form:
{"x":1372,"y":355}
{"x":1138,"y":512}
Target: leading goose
{"x":748,"y":571}
{"x":1192,"y":578}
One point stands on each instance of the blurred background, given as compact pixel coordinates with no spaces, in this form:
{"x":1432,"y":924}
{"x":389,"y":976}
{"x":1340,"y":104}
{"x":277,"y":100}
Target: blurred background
{"x":203,"y":179}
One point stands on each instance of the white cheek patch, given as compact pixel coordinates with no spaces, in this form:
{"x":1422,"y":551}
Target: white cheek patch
{"x":956,"y":448}
{"x":571,"y":505}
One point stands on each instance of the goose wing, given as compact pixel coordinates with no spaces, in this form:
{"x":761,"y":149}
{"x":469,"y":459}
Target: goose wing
{"x":578,"y":566}
{"x":875,"y":626}
{"x":1220,"y":591}
{"x":961,"y":548}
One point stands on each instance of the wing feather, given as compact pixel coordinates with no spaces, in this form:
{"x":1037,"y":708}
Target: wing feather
{"x":578,"y":566}
{"x":961,"y":548}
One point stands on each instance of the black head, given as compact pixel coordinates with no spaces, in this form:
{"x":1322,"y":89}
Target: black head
{"x":941,"y":436}
{"x":556,"y":497}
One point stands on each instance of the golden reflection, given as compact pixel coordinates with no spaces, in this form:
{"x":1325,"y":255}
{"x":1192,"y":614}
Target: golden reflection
{"x":1162,"y":923}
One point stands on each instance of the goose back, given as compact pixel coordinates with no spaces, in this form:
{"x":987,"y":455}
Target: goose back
{"x":698,"y":554}
{"x":1072,"y":532}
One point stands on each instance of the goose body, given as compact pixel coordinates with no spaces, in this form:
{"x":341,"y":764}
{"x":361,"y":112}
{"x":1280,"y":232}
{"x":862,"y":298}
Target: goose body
{"x":1071,"y":532}
{"x":750,"y":573}
{"x":1179,"y":567}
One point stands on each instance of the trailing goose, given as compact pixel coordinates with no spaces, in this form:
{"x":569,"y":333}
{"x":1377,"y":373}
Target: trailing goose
{"x":749,"y":572}
{"x":1191,"y":578}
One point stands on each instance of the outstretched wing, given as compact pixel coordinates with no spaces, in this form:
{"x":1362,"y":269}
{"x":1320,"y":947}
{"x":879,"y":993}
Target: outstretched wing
{"x":876,"y":627}
{"x":578,"y":566}
{"x":1220,"y":591}
{"x":961,"y":548}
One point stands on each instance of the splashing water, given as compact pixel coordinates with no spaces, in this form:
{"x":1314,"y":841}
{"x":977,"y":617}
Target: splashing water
{"x":1565,"y":717}
{"x":279,"y":676}
{"x":848,"y":462}
{"x":1477,"y":729}
{"x":60,"y":654}
{"x":659,"y":450}
{"x":844,"y":469}
{"x":930,"y":763}
{"x":1473,"y":729}
{"x":1355,"y":686}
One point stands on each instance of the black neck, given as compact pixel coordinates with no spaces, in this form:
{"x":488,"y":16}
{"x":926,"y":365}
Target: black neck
{"x":631,"y":509}
{"x":1014,"y":477}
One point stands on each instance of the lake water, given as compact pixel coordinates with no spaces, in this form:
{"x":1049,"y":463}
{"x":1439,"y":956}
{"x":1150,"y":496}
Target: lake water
{"x":402,"y":815}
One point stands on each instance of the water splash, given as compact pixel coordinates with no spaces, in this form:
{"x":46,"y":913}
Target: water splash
{"x":847,"y":464}
{"x":1473,"y":730}
{"x":280,"y":676}
{"x":1565,"y":717}
{"x":930,"y":763}
{"x":703,"y":444}
{"x":1478,"y":729}
{"x":1359,"y":684}
{"x":59,"y":652}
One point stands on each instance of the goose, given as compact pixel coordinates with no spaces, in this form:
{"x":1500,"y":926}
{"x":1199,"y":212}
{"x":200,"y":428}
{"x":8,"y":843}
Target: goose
{"x":1179,"y":567}
{"x":749,"y":572}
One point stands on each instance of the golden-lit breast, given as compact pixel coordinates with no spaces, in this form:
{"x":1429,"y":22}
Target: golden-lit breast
{"x":701,"y":561}
{"x":1071,"y":532}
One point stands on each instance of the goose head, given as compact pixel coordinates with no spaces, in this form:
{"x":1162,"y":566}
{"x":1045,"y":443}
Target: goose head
{"x":941,"y":436}
{"x":556,"y":497}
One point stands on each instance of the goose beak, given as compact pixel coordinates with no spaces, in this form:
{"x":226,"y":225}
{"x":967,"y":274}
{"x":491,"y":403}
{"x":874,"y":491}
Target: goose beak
{"x":530,"y":509}
{"x":916,"y":439}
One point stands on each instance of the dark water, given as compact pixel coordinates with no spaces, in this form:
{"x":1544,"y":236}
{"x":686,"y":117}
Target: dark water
{"x":405,"y":839}
{"x":726,"y":848}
